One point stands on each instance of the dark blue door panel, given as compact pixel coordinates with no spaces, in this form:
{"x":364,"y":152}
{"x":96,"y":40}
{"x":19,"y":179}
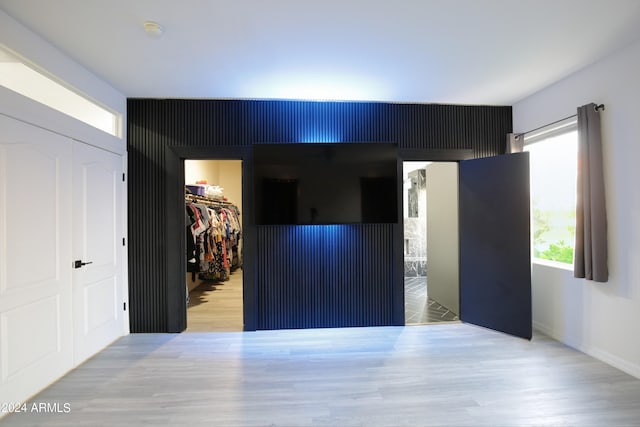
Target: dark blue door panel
{"x":495,"y":262}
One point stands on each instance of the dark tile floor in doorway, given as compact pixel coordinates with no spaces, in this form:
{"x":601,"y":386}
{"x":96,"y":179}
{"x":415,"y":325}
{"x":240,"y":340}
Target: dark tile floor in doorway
{"x":421,"y":309}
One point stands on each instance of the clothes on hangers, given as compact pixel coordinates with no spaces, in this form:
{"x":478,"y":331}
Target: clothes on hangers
{"x":213,"y":238}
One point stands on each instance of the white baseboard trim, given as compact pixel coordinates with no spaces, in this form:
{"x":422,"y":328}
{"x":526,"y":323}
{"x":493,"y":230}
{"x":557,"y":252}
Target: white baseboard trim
{"x":544,"y":329}
{"x":615,"y":361}
{"x":602,"y":355}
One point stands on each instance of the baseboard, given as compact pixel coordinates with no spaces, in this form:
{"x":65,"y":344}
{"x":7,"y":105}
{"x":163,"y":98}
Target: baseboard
{"x":544,"y":329}
{"x":615,"y":361}
{"x":604,"y":356}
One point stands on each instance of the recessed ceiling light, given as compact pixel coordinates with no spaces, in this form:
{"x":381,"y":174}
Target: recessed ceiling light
{"x":153,"y":28}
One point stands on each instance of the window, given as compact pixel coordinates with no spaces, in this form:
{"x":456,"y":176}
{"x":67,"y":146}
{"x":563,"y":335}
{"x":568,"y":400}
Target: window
{"x":17,"y":75}
{"x":554,"y":157}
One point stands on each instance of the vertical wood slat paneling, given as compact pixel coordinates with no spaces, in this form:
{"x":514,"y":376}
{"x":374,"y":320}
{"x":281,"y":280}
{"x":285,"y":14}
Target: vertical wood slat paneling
{"x":324,"y":276}
{"x":147,"y":292}
{"x":451,"y":127}
{"x":154,"y":125}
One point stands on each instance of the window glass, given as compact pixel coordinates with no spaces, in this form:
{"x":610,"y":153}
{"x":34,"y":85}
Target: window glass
{"x":553,"y":195}
{"x":18,"y":76}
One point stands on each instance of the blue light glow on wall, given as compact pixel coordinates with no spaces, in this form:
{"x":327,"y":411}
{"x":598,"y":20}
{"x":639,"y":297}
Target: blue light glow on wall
{"x":319,"y":232}
{"x":334,"y":233}
{"x":323,"y":230}
{"x":319,"y":135}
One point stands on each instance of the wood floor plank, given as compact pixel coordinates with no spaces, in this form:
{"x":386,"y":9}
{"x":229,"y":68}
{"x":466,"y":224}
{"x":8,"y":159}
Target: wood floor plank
{"x":216,"y":306}
{"x":438,"y":375}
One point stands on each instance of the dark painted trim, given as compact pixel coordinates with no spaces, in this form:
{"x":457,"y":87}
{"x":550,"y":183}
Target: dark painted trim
{"x":176,"y":271}
{"x":175,"y":232}
{"x":435,"y":155}
{"x":398,"y":255}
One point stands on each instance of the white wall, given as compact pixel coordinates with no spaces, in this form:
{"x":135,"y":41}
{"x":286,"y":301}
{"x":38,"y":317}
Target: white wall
{"x":442,"y":234}
{"x":230,"y":178}
{"x":199,"y":170}
{"x":601,"y":319}
{"x":224,"y":173}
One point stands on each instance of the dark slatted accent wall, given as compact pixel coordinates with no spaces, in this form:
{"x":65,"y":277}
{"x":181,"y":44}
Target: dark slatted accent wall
{"x":450,"y":127}
{"x":325,"y":276}
{"x":155,"y":125}
{"x":146,"y":220}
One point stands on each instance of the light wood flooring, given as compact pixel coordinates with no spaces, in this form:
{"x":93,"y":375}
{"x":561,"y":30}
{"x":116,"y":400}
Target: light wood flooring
{"x":438,"y":375}
{"x":216,"y":306}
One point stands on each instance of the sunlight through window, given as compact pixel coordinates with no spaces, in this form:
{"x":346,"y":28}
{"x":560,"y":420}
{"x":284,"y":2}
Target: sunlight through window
{"x":19,"y":77}
{"x":553,"y":172}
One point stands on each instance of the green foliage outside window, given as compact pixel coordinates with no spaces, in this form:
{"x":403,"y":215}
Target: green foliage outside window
{"x":560,"y":252}
{"x":549,"y":243}
{"x":553,"y":171}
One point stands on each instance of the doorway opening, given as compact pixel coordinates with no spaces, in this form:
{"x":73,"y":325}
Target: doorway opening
{"x":430,"y":217}
{"x":214,"y":281}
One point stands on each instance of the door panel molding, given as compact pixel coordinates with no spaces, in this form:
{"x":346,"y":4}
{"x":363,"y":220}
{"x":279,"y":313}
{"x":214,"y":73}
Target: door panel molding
{"x":97,"y":238}
{"x":35,"y":304}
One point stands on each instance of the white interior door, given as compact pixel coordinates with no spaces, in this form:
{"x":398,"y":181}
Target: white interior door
{"x":35,"y":259}
{"x":97,"y":249}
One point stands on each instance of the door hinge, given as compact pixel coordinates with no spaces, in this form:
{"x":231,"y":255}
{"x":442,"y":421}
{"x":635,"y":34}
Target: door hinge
{"x":124,"y":306}
{"x":122,"y":177}
{"x":123,"y":242}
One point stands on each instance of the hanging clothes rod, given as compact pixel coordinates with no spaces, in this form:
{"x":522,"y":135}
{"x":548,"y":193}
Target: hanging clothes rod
{"x":598,"y":107}
{"x":203,"y":199}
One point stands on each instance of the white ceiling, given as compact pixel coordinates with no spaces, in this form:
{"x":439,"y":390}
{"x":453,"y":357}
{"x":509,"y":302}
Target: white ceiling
{"x":492,"y":52}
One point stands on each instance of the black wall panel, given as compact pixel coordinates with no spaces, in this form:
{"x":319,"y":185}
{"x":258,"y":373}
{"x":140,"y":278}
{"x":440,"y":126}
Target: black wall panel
{"x":325,"y":275}
{"x":313,"y":287}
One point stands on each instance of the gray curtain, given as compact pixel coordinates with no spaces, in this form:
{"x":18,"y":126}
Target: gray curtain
{"x":591,"y":220}
{"x":515,"y":143}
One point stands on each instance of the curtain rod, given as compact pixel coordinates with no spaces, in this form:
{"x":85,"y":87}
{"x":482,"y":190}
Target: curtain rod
{"x":598,"y":107}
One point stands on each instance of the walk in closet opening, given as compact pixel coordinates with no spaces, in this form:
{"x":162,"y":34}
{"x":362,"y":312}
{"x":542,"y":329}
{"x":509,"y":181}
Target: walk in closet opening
{"x":214,"y":242}
{"x":430,"y":217}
